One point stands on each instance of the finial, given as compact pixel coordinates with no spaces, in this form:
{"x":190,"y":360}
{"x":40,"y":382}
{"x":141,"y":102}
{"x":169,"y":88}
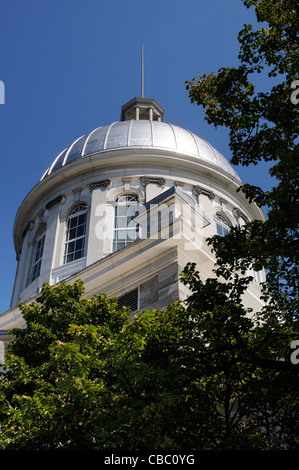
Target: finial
{"x":142,"y":73}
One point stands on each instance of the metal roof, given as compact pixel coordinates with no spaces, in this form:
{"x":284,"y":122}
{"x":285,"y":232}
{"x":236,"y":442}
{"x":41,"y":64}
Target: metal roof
{"x":143,"y":134}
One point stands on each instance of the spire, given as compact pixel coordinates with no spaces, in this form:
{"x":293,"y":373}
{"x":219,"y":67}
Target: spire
{"x":142,"y":73}
{"x":142,"y":108}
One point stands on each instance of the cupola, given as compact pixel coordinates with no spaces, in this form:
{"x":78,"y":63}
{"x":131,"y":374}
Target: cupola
{"x":142,"y":109}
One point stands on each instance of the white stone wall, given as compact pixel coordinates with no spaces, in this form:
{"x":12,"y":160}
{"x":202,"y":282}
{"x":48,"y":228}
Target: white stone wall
{"x":73,"y":187}
{"x":2,"y":351}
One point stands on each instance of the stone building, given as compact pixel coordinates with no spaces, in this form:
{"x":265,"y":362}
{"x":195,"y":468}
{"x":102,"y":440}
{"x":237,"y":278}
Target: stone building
{"x":124,"y":208}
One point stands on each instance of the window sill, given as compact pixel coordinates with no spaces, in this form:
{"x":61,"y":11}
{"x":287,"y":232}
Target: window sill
{"x":66,"y":270}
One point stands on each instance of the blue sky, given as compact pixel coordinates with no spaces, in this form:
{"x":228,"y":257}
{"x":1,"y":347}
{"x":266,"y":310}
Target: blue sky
{"x":69,"y":65}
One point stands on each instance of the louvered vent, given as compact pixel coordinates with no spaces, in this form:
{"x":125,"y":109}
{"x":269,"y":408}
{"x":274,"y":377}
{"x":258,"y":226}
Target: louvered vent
{"x":130,"y":300}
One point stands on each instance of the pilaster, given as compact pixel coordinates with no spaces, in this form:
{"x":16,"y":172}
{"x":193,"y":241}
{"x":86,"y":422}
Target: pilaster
{"x":97,"y":236}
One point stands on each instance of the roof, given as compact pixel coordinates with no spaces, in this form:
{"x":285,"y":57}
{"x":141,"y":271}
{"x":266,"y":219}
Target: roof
{"x":143,"y":134}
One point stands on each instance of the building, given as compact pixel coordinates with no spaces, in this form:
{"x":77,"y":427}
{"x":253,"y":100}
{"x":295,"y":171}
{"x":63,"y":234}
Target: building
{"x":124,"y":208}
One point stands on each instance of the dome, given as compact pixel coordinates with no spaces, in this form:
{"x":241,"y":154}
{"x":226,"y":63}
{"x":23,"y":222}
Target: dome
{"x":145,"y":134}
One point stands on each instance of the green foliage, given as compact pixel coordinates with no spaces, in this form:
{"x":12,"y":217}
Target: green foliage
{"x":263,"y":126}
{"x":208,"y":374}
{"x":50,"y":388}
{"x":201,"y":376}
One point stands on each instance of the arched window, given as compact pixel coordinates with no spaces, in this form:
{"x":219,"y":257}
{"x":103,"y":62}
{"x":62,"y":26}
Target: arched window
{"x":75,"y":236}
{"x":37,"y":255}
{"x":222,"y":225}
{"x":125,"y":229}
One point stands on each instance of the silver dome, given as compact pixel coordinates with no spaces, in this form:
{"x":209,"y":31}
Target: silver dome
{"x":146,"y":134}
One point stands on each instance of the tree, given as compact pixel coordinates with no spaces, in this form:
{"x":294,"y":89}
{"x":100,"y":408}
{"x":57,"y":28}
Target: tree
{"x":199,"y":376}
{"x":208,"y":374}
{"x":263,"y":125}
{"x":49,"y":392}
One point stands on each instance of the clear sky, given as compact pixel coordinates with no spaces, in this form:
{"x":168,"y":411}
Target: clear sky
{"x":69,"y":65}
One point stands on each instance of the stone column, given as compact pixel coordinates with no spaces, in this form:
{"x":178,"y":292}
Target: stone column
{"x":51,"y":218}
{"x":23,"y":267}
{"x":97,"y":223}
{"x":154,"y":186}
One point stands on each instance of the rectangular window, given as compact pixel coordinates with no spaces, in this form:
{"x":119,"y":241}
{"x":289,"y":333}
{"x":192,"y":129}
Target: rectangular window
{"x":37,"y":255}
{"x":75,"y":237}
{"x":125,"y":229}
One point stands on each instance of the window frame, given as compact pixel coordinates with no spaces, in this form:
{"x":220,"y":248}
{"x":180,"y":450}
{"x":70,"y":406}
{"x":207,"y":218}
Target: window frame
{"x":122,"y":220}
{"x":222,"y":225}
{"x":76,"y":239}
{"x":37,"y":256}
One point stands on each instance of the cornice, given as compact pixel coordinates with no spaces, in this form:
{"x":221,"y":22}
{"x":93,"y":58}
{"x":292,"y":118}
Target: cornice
{"x":166,"y":163}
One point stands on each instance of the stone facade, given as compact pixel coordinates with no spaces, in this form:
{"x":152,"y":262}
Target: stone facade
{"x":184,"y":193}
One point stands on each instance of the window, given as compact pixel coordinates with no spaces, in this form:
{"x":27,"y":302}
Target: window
{"x":125,"y":229}
{"x":222,"y":225}
{"x":37,"y":255}
{"x":75,"y":236}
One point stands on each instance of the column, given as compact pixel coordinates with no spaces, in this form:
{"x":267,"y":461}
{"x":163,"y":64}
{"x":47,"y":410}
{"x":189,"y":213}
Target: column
{"x":98,"y":230}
